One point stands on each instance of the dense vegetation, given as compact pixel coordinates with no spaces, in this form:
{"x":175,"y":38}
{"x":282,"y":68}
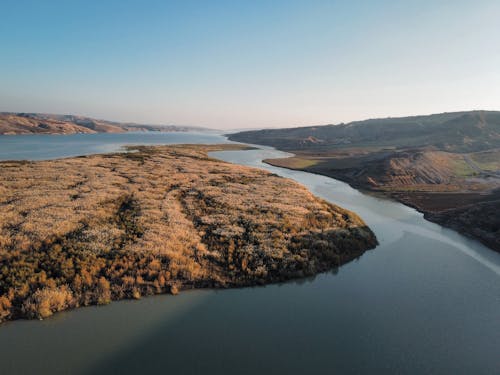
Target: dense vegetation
{"x":89,"y":230}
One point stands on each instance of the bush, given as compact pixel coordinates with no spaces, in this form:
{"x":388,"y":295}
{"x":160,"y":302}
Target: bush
{"x":83,"y":231}
{"x":5,"y":306}
{"x":44,"y":302}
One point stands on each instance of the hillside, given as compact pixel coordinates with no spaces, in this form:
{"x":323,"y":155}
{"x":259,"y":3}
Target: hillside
{"x":453,"y":132}
{"x":445,"y":165}
{"x":484,"y":216}
{"x":88,"y":230}
{"x":402,"y":169}
{"x":38,"y":123}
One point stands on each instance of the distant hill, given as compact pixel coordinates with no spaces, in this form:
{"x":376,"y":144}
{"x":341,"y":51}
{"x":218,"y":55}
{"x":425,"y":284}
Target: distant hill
{"x":454,"y":132}
{"x":446,"y":165}
{"x":40,"y":123}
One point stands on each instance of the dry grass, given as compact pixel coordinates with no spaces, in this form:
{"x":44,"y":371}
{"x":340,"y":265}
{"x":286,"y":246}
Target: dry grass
{"x":487,"y":160}
{"x":294,"y":162}
{"x":93,"y":229}
{"x":404,"y":171}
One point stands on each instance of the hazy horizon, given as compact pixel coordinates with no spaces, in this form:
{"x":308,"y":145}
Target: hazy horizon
{"x":230,"y":65}
{"x":243,"y":128}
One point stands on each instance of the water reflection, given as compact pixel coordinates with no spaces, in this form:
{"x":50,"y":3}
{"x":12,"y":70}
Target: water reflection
{"x":425,"y":301}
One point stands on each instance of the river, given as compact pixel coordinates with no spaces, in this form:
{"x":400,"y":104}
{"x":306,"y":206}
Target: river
{"x":425,"y":301}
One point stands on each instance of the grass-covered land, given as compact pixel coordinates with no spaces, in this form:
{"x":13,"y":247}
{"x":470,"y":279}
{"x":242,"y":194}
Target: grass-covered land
{"x":295,"y":162}
{"x":488,"y":160}
{"x":460,"y":191}
{"x":445,"y":165}
{"x":88,"y":230}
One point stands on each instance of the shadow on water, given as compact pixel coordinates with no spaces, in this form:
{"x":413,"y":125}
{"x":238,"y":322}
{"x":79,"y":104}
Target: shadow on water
{"x":379,"y":314}
{"x":257,"y":330}
{"x":369,"y":318}
{"x":424,"y":301}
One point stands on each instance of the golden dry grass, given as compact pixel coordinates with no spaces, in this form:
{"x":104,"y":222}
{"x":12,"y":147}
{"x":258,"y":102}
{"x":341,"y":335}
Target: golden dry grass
{"x":93,"y":229}
{"x":294,"y":162}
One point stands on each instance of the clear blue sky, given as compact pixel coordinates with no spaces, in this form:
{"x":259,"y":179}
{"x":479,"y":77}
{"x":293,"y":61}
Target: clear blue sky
{"x":249,"y":63}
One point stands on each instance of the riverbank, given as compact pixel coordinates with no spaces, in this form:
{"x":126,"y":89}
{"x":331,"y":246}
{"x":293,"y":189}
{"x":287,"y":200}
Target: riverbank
{"x":92,"y":229}
{"x":472,"y":213}
{"x":351,"y":318}
{"x":444,"y":164}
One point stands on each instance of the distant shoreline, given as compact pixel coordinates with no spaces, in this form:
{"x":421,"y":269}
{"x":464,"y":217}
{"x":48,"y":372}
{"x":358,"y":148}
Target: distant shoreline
{"x":39,"y":123}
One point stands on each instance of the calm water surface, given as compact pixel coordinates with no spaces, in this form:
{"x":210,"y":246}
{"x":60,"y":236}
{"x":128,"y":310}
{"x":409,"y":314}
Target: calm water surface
{"x":426,"y":301}
{"x":37,"y":147}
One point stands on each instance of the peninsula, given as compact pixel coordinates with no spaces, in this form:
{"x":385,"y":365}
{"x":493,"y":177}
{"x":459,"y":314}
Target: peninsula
{"x":92,"y":229}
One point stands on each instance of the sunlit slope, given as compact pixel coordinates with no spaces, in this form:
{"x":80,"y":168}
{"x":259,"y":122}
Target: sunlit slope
{"x":456,"y":132}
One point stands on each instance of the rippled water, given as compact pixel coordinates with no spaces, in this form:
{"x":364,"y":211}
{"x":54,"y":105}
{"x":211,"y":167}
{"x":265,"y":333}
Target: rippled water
{"x":426,"y":301}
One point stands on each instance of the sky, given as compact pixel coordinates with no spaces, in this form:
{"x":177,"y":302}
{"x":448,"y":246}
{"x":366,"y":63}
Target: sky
{"x":249,"y":63}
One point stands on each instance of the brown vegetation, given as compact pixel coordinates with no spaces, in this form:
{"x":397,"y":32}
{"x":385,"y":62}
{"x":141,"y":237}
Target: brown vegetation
{"x":89,"y":230}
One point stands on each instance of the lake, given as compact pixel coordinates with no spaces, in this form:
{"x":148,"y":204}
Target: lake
{"x":41,"y":146}
{"x":425,"y":301}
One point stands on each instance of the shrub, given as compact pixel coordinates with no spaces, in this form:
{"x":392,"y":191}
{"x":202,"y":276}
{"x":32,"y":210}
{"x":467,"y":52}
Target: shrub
{"x":83,"y":231}
{"x":44,"y":302}
{"x":5,"y":306}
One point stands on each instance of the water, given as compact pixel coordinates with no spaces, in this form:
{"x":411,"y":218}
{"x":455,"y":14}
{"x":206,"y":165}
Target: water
{"x":426,"y":301}
{"x":38,"y":147}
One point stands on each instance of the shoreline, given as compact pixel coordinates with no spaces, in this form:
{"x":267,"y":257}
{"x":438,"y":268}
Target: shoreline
{"x":428,"y":215}
{"x":159,"y":220}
